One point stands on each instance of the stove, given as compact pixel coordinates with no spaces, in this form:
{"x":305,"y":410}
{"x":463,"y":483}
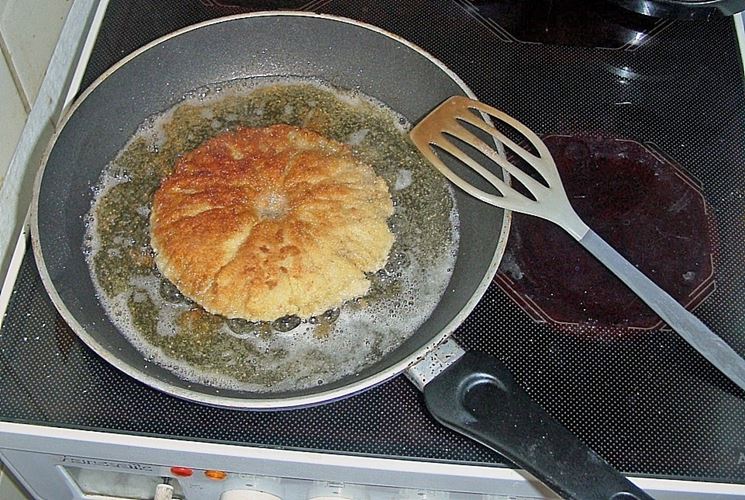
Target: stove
{"x":644,"y":117}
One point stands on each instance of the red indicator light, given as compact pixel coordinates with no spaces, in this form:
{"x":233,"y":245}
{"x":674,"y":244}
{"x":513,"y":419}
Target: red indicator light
{"x":181,"y":471}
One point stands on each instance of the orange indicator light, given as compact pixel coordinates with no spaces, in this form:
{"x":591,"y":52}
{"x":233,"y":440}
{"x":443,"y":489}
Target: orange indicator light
{"x":217,"y":475}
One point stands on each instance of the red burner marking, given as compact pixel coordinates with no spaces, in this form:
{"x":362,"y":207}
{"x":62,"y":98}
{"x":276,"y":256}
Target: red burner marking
{"x":638,"y":201}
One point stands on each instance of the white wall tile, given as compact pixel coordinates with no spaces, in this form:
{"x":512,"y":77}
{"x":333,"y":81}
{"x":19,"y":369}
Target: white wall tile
{"x":12,"y":117}
{"x":30,"y":29}
{"x":16,"y":190}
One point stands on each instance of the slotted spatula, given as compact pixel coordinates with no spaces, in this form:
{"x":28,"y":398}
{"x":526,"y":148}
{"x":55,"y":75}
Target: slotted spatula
{"x":446,"y":123}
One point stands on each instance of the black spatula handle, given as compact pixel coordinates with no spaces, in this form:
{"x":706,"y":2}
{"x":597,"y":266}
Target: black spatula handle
{"x":479,"y":398}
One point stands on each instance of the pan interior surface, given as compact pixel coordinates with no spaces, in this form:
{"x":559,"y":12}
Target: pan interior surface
{"x":286,"y":352}
{"x":153,"y":80}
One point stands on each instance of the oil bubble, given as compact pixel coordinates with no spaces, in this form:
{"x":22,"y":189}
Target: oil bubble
{"x":331,"y":315}
{"x":243,"y":327}
{"x":170,"y":293}
{"x":286,"y":323}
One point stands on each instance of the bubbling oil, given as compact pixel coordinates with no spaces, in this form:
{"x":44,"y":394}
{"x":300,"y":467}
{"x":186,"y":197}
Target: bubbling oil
{"x":292,"y":353}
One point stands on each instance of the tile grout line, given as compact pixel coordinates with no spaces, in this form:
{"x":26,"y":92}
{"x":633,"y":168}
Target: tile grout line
{"x":14,"y":74}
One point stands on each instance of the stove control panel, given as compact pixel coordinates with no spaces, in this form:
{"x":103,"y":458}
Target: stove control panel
{"x":64,"y":477}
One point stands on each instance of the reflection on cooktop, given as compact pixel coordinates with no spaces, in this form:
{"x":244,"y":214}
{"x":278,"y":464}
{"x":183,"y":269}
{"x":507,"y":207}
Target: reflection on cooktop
{"x":265,"y":4}
{"x":567,"y":22}
{"x":644,"y":206}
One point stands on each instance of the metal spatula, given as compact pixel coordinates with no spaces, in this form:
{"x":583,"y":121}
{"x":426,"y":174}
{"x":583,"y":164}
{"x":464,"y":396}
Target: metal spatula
{"x":445,"y":129}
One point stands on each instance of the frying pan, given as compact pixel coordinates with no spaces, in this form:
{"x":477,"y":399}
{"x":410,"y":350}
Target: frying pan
{"x":469,"y":392}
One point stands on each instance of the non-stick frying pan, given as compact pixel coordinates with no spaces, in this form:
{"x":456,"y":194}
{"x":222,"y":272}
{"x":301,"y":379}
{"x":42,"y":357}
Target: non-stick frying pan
{"x":469,"y":392}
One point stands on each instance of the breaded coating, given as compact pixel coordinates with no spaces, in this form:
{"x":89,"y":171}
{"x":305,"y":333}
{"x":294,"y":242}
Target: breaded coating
{"x":261,"y":223}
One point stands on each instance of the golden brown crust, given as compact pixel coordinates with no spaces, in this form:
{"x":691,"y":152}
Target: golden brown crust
{"x":260,"y":223}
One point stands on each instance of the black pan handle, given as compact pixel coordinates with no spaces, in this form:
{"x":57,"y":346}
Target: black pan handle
{"x":479,"y":398}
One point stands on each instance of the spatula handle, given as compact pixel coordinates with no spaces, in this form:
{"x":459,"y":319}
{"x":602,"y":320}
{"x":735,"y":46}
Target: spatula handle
{"x":478,"y":397}
{"x":688,"y":326}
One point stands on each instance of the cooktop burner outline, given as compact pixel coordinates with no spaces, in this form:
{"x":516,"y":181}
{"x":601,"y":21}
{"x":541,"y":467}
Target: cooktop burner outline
{"x":554,"y":297}
{"x":550,"y":23}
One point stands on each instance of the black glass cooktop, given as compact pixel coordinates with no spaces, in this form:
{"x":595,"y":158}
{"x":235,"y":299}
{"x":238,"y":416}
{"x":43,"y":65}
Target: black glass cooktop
{"x":644,"y":117}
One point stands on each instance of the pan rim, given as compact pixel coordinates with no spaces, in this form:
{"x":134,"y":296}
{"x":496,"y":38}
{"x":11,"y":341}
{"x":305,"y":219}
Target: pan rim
{"x":348,"y":389}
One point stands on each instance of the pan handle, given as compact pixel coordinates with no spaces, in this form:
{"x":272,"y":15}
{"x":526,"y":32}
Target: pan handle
{"x":478,"y":397}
